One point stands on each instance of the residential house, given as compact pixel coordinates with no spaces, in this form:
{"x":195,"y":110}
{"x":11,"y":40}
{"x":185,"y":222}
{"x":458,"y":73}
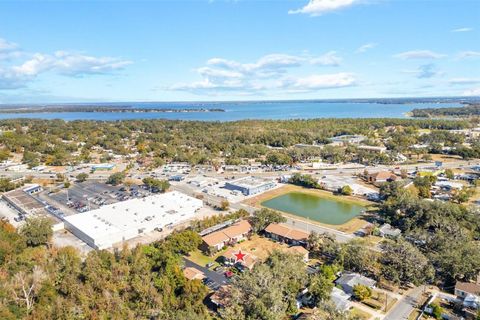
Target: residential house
{"x":248,"y":261}
{"x":469,"y":293}
{"x":192,"y":273}
{"x":388,"y":231}
{"x":227,"y":236}
{"x":284,"y":233}
{"x":349,"y":280}
{"x":216,"y":240}
{"x":340,"y":299}
{"x":222,"y":296}
{"x":299,"y":250}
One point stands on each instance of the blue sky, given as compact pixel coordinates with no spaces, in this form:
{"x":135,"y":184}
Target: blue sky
{"x":75,"y":51}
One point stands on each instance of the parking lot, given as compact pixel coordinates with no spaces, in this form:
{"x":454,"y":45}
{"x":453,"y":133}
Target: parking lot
{"x":214,"y":279}
{"x":90,"y":195}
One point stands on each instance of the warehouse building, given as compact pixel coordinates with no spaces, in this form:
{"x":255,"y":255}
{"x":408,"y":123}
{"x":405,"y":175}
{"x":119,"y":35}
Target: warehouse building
{"x":103,"y":167}
{"x":250,"y":185}
{"x":111,"y":224}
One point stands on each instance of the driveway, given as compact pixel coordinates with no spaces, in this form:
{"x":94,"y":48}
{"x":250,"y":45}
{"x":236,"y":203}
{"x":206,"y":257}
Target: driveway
{"x":218,"y":278}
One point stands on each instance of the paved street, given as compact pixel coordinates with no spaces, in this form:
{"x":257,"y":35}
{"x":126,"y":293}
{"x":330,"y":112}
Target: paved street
{"x":405,"y":306}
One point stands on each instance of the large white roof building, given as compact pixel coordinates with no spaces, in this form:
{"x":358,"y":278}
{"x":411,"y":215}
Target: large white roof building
{"x":110,"y":224}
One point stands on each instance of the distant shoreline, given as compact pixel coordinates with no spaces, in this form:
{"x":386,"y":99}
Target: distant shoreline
{"x":70,"y":109}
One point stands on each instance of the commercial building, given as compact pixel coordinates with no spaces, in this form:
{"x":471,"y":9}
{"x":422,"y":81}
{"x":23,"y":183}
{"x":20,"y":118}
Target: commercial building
{"x":24,"y":203}
{"x":373,"y":149}
{"x":250,"y":185}
{"x":381,"y":177}
{"x":347,"y":139}
{"x":32,"y":189}
{"x":114,"y":223}
{"x":103,"y":167}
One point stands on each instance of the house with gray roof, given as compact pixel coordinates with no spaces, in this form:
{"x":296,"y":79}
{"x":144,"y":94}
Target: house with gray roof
{"x":349,"y":280}
{"x":340,"y":299}
{"x":388,"y":231}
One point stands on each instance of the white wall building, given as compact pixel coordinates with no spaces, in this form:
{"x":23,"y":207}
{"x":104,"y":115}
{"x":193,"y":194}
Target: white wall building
{"x":103,"y":227}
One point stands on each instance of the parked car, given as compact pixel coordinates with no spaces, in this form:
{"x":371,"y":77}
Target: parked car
{"x":228,"y":274}
{"x":219,"y":269}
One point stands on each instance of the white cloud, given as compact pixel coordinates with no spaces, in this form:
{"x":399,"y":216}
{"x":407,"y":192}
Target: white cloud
{"x":468,"y":54}
{"x":466,"y":29}
{"x":7,"y":46}
{"x":69,"y":64}
{"x":463,"y":81}
{"x":12,"y":80}
{"x":218,"y":73}
{"x":419,"y":54}
{"x":320,"y":81}
{"x":472,"y":92}
{"x":38,"y":63}
{"x":319,"y":7}
{"x":8,"y":49}
{"x":17,"y":73}
{"x":365,"y":47}
{"x":270,"y":72}
{"x":275,"y":63}
{"x":328,"y":59}
{"x":74,"y":64}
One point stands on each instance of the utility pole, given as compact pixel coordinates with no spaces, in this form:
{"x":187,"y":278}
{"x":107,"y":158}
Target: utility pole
{"x":386,"y":301}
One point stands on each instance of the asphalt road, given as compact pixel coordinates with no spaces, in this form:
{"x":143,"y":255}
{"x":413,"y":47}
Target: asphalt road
{"x":404,"y":307}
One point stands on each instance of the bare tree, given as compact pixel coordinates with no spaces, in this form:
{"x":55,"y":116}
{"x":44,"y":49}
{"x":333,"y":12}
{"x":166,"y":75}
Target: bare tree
{"x":25,"y":286}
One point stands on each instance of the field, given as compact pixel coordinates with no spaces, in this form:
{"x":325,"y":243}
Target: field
{"x":348,"y":227}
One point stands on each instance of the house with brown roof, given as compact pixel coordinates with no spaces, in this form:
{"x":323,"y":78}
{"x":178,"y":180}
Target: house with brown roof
{"x":284,"y":233}
{"x":192,"y":273}
{"x":381,"y":177}
{"x":469,"y":292}
{"x":222,"y":296}
{"x":236,"y":232}
{"x":249,"y":260}
{"x":299,"y":250}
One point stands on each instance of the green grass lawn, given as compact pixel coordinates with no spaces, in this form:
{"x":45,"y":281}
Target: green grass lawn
{"x":199,"y":258}
{"x":355,"y":312}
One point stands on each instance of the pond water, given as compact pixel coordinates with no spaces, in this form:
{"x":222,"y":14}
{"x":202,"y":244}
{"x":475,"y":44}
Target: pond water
{"x":315,"y":208}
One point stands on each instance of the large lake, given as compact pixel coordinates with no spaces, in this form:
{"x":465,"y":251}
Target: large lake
{"x":315,"y":207}
{"x":244,"y":110}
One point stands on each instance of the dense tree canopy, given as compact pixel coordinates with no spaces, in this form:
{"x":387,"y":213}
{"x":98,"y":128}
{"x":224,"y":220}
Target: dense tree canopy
{"x":58,"y":142}
{"x":38,"y":282}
